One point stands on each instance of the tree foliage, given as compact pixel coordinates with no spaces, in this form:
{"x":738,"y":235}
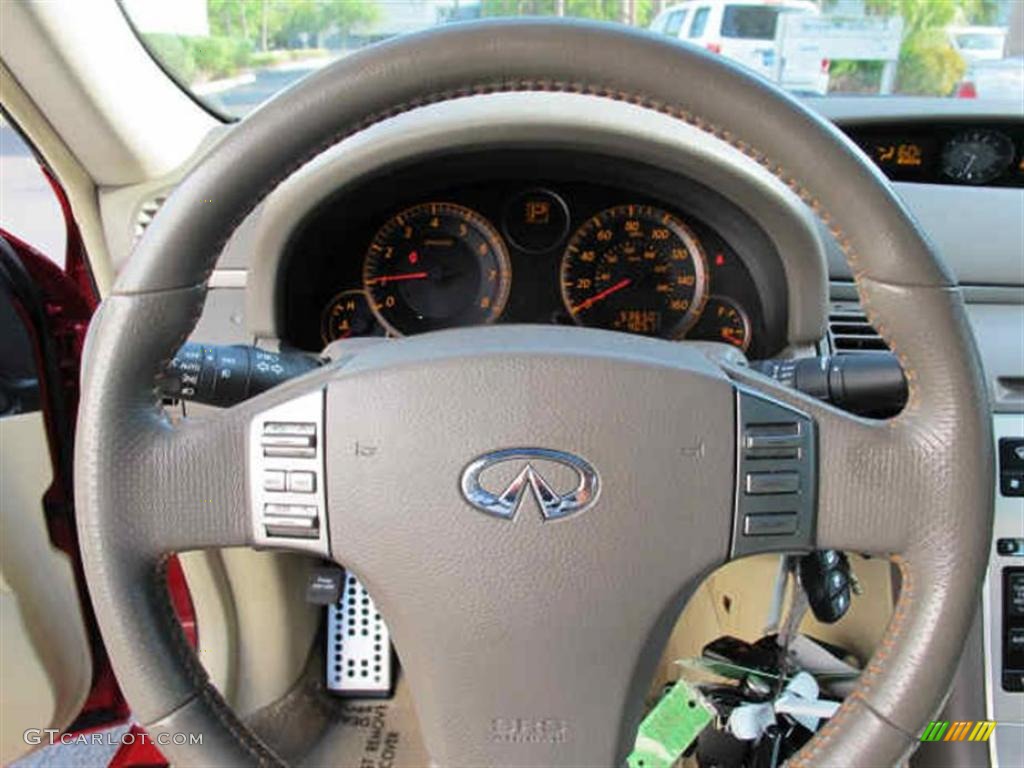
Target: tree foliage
{"x":602,"y":10}
{"x":283,"y":23}
{"x":200,"y":58}
{"x":928,"y":64}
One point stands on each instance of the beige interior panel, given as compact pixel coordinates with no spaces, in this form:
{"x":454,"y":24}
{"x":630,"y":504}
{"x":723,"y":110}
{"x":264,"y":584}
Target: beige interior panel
{"x":46,"y":667}
{"x":276,"y":626}
{"x":216,"y":619}
{"x":27,"y":698}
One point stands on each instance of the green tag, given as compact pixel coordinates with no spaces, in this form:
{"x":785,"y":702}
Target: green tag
{"x":670,"y":728}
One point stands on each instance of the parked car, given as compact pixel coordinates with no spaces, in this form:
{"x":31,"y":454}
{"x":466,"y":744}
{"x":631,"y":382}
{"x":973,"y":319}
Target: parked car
{"x":745,"y":31}
{"x":1003,"y":79}
{"x":999,"y":79}
{"x":978,"y":43}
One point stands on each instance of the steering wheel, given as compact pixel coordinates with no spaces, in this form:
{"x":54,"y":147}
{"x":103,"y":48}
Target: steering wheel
{"x":516,"y":617}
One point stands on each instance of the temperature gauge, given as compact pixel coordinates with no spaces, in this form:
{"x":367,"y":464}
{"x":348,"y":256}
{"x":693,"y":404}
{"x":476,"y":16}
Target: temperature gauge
{"x":348,"y":314}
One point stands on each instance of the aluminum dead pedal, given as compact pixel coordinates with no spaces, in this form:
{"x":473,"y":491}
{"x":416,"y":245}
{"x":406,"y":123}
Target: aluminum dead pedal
{"x":359,"y":658}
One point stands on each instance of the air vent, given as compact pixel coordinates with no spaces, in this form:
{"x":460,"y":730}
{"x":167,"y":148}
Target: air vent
{"x":145,"y":215}
{"x":849,"y":331}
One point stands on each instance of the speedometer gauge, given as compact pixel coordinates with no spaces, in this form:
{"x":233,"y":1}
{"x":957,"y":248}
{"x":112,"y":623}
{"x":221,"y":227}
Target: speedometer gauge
{"x":635,"y":268}
{"x":436,"y":265}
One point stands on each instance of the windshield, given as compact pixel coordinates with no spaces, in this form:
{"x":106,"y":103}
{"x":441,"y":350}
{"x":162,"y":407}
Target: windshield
{"x":234,"y":54}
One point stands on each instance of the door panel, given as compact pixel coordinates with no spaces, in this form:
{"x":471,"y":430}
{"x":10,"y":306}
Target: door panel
{"x":45,"y":660}
{"x":44,"y":649}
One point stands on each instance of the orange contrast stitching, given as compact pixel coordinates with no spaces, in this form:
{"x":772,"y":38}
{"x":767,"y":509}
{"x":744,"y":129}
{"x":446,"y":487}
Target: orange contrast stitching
{"x":854,"y":259}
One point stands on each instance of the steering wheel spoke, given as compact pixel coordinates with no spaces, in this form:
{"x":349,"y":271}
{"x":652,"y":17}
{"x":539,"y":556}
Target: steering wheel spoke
{"x":849,"y":506}
{"x":250,"y":475}
{"x":196,"y":471}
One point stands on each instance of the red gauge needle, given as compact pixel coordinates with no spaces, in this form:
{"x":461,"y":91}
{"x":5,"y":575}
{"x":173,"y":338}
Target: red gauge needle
{"x":586,"y":304}
{"x":393,"y":278}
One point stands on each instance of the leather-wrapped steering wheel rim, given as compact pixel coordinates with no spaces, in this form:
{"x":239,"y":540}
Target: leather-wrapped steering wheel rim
{"x":922,"y":482}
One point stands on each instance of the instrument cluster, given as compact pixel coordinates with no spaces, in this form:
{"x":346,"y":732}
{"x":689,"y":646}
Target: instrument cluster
{"x":509,"y":251}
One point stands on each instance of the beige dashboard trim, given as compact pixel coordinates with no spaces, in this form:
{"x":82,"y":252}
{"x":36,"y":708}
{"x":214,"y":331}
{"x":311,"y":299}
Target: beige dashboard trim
{"x":228,"y":278}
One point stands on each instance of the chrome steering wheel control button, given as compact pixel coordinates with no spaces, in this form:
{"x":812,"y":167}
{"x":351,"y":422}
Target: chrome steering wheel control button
{"x":295,"y":445}
{"x":772,"y":441}
{"x":771,"y":524}
{"x":772,"y":482}
{"x":776,"y":471}
{"x":274,"y":428}
{"x":290,"y":510}
{"x":286,"y":473}
{"x":274,"y":480}
{"x":291,"y":527}
{"x":302,"y":482}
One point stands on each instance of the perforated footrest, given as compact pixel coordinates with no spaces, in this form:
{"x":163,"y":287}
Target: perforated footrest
{"x":359,"y":657}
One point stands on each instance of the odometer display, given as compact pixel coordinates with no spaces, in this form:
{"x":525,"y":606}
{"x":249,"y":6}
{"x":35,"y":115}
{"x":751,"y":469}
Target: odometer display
{"x":436,"y":265}
{"x":635,"y":268}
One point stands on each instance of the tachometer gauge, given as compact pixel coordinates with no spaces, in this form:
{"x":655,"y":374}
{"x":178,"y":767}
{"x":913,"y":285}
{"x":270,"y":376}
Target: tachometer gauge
{"x":723,"y":320}
{"x":977,"y":157}
{"x":635,"y":268}
{"x":436,"y":265}
{"x":348,"y":314}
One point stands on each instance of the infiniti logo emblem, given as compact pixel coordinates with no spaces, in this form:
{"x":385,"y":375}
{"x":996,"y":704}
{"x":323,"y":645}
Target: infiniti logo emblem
{"x":553,"y":505}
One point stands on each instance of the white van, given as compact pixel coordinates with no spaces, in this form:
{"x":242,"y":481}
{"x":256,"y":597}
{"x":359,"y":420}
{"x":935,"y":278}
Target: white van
{"x":744,"y":30}
{"x":978,"y":43}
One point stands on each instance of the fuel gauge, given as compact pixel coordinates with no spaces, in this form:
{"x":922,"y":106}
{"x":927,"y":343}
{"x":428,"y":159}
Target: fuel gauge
{"x":348,"y":314}
{"x":723,"y":320}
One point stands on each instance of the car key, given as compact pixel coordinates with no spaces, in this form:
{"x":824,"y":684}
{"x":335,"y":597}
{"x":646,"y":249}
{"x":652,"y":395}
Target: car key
{"x":825,"y":577}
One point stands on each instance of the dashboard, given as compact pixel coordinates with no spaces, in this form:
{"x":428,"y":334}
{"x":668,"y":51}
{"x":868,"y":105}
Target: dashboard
{"x":517,"y":237}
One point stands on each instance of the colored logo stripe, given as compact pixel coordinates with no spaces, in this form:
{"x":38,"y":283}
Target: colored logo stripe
{"x":959,"y":730}
{"x":936,"y":730}
{"x":982,"y":731}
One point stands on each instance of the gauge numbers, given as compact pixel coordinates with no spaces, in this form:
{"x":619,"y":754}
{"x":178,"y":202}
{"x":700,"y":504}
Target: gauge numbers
{"x":635,"y":268}
{"x":436,"y":265}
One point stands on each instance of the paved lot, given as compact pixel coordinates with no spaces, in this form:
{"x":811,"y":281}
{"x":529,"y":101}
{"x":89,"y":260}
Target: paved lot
{"x":242,"y":99}
{"x":74,"y":755}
